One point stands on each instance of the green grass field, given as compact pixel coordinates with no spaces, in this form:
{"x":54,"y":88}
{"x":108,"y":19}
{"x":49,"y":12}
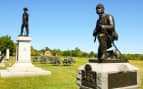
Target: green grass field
{"x":63,"y":77}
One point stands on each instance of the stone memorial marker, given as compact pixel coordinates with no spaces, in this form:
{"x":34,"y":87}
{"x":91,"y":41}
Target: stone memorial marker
{"x":7,"y":54}
{"x":1,"y":60}
{"x":55,"y":60}
{"x":35,"y":59}
{"x":68,"y":61}
{"x":107,"y":72}
{"x":44,"y":59}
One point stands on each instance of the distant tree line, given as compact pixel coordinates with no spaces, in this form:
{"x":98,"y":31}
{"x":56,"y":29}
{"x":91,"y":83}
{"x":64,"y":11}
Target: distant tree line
{"x":132,"y":56}
{"x":7,"y":43}
{"x":79,"y":53}
{"x":73,"y":53}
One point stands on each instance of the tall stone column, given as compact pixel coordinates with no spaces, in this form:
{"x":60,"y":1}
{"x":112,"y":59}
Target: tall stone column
{"x":23,"y":50}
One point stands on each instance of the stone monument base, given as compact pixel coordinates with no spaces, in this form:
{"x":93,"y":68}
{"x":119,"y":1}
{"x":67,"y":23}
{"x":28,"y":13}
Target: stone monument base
{"x":2,"y":64}
{"x":23,"y":69}
{"x":108,"y":76}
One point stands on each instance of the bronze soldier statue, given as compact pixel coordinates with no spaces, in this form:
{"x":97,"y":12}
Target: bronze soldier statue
{"x":25,"y":22}
{"x":104,"y":31}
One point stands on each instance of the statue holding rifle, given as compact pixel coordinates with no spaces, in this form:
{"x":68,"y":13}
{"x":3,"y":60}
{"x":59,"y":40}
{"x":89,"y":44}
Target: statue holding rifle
{"x":105,"y":32}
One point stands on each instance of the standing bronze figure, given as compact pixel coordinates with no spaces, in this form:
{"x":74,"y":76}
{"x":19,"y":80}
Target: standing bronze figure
{"x":25,"y":18}
{"x":104,"y":31}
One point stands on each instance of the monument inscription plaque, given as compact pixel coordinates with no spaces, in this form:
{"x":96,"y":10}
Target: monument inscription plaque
{"x":122,"y":79}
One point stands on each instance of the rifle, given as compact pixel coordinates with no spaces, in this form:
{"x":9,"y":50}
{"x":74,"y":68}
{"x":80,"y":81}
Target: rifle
{"x":112,"y":42}
{"x":96,"y":31}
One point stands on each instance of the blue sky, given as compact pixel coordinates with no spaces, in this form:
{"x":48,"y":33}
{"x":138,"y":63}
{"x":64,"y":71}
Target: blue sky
{"x":66,"y":24}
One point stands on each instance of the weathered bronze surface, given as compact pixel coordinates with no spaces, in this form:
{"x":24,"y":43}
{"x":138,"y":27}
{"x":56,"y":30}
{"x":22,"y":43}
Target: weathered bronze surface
{"x":25,"y":18}
{"x":89,"y":79}
{"x":105,"y":32}
{"x":122,"y":79}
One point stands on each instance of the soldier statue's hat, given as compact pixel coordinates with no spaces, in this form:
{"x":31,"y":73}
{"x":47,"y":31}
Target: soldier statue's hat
{"x":99,"y":6}
{"x":25,"y":9}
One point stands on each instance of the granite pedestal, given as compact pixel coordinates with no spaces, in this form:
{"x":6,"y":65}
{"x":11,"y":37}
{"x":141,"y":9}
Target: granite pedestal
{"x":2,"y":64}
{"x":23,"y":65}
{"x":108,"y":76}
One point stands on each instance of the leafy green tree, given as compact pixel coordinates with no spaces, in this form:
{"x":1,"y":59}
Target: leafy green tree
{"x":84,"y":54}
{"x":54,"y":52}
{"x":7,"y":43}
{"x":47,"y":49}
{"x":34,"y":52}
{"x":77,"y":52}
{"x":92,"y":54}
{"x":66,"y":53}
{"x":69,"y":53}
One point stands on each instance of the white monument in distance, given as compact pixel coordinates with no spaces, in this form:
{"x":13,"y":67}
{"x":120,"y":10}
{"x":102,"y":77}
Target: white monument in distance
{"x":7,"y":54}
{"x":1,"y":60}
{"x":23,"y":65}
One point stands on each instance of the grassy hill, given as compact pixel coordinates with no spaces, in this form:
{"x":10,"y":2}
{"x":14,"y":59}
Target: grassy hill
{"x":63,"y":77}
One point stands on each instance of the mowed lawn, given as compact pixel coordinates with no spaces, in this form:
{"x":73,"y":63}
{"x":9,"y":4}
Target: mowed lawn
{"x":63,"y":77}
